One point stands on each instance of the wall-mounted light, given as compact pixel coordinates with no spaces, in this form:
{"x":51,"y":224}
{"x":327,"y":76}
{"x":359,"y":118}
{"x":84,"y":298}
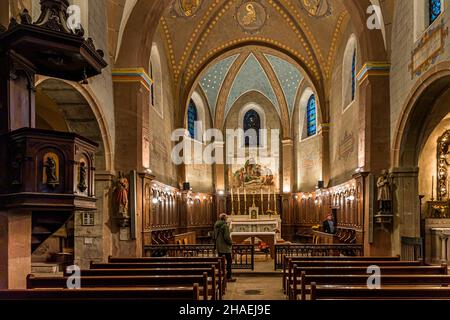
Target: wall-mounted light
{"x":154,"y":200}
{"x":221,"y":192}
{"x":351,"y":198}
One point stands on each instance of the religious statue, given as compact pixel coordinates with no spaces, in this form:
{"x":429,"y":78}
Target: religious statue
{"x":121,"y":196}
{"x":50,"y":171}
{"x":384,"y":192}
{"x":250,"y":16}
{"x":189,"y":7}
{"x":82,"y":177}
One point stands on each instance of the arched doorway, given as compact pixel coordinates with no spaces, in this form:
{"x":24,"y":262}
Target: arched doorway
{"x":414,"y":154}
{"x":67,"y":107}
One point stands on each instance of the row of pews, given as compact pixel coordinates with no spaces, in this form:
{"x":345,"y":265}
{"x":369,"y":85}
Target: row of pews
{"x":153,"y":278}
{"x":347,"y":278}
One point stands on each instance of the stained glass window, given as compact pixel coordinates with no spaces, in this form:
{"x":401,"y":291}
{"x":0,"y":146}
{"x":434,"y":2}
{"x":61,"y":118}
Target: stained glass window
{"x":192,"y":117}
{"x":311,"y":116}
{"x":354,"y":75}
{"x":435,"y":9}
{"x":252,"y":122}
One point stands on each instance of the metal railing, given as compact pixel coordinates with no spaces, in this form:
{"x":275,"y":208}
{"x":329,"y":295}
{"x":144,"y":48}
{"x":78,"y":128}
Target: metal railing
{"x":243,"y":254}
{"x":310,"y":250}
{"x":412,"y":249}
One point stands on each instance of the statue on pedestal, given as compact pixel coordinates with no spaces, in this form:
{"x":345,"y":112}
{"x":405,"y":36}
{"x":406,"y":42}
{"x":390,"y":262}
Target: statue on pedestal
{"x":121,"y":199}
{"x":384,"y":215}
{"x":384,"y":193}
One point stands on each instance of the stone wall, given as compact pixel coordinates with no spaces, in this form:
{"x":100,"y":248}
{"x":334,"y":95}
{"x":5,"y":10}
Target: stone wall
{"x":161,"y":126}
{"x":343,"y":121}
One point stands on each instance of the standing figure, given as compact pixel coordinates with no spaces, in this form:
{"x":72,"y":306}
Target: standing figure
{"x":223,"y":243}
{"x":384,"y":192}
{"x":50,"y":171}
{"x":82,"y":177}
{"x":329,"y":225}
{"x":121,"y":196}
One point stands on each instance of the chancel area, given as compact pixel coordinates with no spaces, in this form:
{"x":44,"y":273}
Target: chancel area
{"x":224,"y":149}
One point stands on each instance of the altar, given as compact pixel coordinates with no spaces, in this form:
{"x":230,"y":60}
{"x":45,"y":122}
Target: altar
{"x":267,"y":229}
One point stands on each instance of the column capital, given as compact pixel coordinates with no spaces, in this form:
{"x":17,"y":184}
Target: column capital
{"x":373,"y":68}
{"x":127,"y":75}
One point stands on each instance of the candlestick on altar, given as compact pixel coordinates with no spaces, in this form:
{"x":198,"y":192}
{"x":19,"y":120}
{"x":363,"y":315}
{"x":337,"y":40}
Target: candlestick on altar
{"x":432,"y":188}
{"x":239,"y":201}
{"x":245,"y":202}
{"x":262,"y":201}
{"x":274,"y":201}
{"x":232,"y":202}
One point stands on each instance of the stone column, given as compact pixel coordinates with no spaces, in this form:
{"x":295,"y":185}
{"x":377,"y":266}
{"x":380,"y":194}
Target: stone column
{"x":131,"y":111}
{"x":15,"y":248}
{"x":374,"y":117}
{"x":324,"y":140}
{"x":288,"y":165}
{"x":406,"y":206}
{"x":219,"y":168}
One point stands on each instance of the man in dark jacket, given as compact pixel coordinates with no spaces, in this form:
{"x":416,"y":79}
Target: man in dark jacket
{"x":329,"y":225}
{"x":222,"y":242}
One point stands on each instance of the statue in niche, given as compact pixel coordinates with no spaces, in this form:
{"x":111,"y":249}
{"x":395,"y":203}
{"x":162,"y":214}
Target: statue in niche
{"x":82,"y":186}
{"x":50,"y":171}
{"x":384,"y":192}
{"x":121,"y":197}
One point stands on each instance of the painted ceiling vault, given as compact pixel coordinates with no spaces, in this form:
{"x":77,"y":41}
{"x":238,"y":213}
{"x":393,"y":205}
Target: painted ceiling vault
{"x":197,"y":31}
{"x":251,"y":76}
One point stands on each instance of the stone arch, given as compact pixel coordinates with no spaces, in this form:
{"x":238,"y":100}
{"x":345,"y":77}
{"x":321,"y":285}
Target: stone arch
{"x":420,"y":115}
{"x":82,"y":114}
{"x":351,"y":49}
{"x":143,"y":21}
{"x":155,"y":71}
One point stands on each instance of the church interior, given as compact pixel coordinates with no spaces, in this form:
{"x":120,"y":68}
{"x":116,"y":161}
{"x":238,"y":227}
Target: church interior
{"x":321,"y":128}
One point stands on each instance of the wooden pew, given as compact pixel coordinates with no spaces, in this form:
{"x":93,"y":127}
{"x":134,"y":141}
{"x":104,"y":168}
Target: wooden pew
{"x":324,"y":263}
{"x":351,"y":280}
{"x":385,"y":270}
{"x":384,"y":293}
{"x":108,"y":294}
{"x":169,"y":259}
{"x":286,"y":260}
{"x":187,"y":281}
{"x":167,"y":264}
{"x":211,"y":271}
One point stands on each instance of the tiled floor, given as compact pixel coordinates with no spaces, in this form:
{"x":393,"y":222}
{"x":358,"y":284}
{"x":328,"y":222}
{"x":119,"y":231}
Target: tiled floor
{"x":255,"y":288}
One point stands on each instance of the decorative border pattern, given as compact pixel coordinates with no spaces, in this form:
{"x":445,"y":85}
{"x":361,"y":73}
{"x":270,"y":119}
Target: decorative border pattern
{"x":132,"y":75}
{"x":373,"y":69}
{"x":425,"y":44}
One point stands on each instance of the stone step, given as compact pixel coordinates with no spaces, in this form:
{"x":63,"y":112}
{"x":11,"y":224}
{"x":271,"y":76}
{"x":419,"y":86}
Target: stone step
{"x":47,"y":268}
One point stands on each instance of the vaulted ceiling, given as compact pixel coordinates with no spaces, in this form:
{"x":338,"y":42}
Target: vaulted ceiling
{"x":196,"y":31}
{"x":251,"y":69}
